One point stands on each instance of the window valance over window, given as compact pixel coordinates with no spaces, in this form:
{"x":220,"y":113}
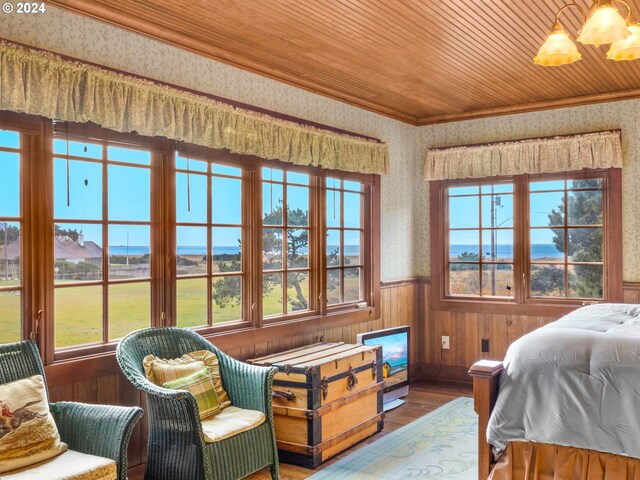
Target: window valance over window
{"x":537,"y":155}
{"x":41,"y":83}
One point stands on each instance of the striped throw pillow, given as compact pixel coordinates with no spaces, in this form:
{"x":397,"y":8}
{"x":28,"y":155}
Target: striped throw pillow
{"x":161,"y":370}
{"x":201,"y":386}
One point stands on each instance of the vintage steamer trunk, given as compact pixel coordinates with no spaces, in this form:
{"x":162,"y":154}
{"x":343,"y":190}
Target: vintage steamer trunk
{"x":326,"y":397}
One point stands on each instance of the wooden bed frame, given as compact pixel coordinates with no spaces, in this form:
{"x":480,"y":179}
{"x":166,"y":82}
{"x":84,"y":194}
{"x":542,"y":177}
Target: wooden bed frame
{"x":486,"y":380}
{"x":486,"y":383}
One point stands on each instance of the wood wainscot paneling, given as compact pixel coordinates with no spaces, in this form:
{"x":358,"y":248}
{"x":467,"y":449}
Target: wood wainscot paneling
{"x":404,"y":302}
{"x":631,"y":292}
{"x":98,"y":379}
{"x":466,"y":329}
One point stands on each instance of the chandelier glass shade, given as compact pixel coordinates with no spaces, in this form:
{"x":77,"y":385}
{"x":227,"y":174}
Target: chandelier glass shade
{"x":627,"y":49}
{"x":603,"y":25}
{"x":558,"y":49}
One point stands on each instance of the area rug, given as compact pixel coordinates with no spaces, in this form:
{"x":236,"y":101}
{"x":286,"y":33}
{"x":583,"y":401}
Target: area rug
{"x":441,"y":445}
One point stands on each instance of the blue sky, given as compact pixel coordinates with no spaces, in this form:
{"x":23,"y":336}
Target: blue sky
{"x":464,"y":213}
{"x":129,"y":194}
{"x":10,"y":167}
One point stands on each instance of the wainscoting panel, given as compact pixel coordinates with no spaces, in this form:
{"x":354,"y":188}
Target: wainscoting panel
{"x":467,"y":329}
{"x":98,"y":380}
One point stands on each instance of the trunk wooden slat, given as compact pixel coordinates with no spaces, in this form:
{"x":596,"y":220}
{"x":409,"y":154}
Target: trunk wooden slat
{"x":327,"y":397}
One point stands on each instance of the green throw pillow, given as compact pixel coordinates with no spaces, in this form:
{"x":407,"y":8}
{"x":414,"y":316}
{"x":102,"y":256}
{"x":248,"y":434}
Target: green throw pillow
{"x":201,"y":387}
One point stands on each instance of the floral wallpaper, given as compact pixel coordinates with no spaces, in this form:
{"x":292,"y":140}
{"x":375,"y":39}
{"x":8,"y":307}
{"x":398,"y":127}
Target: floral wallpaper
{"x":604,"y":116}
{"x":87,"y":39}
{"x":405,"y":199}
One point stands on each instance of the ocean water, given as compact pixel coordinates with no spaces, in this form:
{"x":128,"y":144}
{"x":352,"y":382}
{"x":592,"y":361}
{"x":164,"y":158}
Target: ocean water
{"x":349,"y":250}
{"x":538,"y":250}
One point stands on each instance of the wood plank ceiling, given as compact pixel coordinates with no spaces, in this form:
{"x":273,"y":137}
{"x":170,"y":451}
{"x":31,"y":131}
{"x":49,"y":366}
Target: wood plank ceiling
{"x":419,"y":61}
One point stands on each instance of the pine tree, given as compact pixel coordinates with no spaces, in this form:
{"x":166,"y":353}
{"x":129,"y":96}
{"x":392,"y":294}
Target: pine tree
{"x":585,"y":244}
{"x":227,"y":290}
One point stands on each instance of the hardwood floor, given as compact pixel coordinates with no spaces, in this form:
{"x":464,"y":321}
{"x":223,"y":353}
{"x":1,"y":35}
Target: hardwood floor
{"x":424,"y":397}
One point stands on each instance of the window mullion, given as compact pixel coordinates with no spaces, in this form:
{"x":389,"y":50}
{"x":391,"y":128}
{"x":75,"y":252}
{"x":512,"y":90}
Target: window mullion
{"x":566,"y":240}
{"x":521,"y":238}
{"x":480,"y":269}
{"x":253,"y":199}
{"x":43,"y":174}
{"x":210,"y":320}
{"x":321,"y":243}
{"x":31,"y":279}
{"x":162,"y":288}
{"x":342,"y":263}
{"x":105,"y":243}
{"x":285,"y":245}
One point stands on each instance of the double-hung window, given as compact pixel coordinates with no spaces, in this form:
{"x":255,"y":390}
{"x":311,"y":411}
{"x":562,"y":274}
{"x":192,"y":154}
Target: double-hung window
{"x":480,"y":237}
{"x":102,"y":230}
{"x":210,"y":264}
{"x":345,"y":239}
{"x":288,"y":247}
{"x":547,"y":239}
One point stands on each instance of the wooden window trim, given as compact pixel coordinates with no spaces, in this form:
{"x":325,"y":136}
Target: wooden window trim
{"x":313,"y":251}
{"x":38,"y":260}
{"x":522,"y":303}
{"x":89,"y":133}
{"x":211,"y":157}
{"x":33,"y":260}
{"x":364,"y":228}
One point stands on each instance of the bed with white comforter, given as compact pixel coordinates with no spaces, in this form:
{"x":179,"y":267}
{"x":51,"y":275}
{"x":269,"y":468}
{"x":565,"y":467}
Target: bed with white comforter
{"x":574,"y":382}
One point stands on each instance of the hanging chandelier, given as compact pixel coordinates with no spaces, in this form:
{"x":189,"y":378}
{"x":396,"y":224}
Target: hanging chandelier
{"x":603,"y":25}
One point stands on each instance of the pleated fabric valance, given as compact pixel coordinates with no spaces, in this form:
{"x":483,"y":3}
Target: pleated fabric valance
{"x":42,"y":83}
{"x":538,"y":155}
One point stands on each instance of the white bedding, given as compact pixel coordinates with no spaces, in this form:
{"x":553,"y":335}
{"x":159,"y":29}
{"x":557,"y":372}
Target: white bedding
{"x":574,"y":382}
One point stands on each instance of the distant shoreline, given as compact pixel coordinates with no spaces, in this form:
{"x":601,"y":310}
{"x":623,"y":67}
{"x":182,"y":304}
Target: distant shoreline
{"x":136,"y":250}
{"x":538,"y":250}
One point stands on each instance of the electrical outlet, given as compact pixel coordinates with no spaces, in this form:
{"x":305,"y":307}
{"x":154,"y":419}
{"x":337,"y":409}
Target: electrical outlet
{"x":445,"y":342}
{"x":485,"y":345}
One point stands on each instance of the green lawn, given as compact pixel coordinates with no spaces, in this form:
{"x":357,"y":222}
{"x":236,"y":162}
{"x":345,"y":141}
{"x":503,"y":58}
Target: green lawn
{"x":78,"y":310}
{"x":9,"y":317}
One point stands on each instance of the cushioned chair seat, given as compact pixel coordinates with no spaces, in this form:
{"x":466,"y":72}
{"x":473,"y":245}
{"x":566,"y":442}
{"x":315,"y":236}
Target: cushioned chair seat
{"x":71,"y":465}
{"x":230,"y":422}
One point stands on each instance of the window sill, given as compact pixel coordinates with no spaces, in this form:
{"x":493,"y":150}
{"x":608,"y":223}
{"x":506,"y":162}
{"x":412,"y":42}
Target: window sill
{"x":92,"y":366}
{"x":534,"y":307}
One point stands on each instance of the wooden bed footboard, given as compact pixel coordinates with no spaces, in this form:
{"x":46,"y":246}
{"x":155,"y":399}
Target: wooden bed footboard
{"x":486,"y":376}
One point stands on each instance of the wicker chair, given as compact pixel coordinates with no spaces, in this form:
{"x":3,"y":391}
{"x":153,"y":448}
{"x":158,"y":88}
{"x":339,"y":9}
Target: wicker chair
{"x":99,"y":430}
{"x":176,"y":445}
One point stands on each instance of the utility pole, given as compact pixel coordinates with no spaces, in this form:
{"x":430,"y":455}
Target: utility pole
{"x":496,"y":201}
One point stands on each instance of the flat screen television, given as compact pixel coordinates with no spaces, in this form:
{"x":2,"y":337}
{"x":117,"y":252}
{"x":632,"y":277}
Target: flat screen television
{"x":395,"y":362}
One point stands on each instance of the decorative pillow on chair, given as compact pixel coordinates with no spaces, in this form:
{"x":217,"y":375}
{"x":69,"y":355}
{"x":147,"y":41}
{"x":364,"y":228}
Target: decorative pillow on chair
{"x":161,"y":371}
{"x":201,"y":387}
{"x":28,"y":433}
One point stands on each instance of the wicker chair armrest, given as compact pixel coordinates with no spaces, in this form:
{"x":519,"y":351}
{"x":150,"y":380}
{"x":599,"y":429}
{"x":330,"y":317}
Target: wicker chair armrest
{"x":100,"y":430}
{"x":248,"y":386}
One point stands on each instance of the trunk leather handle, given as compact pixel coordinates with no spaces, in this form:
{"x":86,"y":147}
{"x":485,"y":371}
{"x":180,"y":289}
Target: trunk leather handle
{"x":281,"y":394}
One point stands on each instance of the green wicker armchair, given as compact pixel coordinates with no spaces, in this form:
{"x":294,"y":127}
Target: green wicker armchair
{"x":100,"y":430}
{"x":176,"y":445}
